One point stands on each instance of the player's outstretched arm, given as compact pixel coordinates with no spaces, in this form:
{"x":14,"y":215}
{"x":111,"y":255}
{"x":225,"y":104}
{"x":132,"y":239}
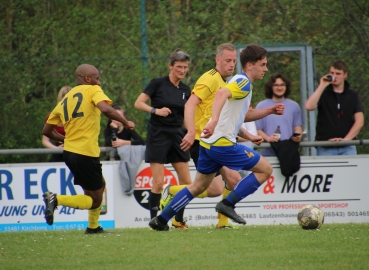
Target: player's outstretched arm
{"x":111,"y":113}
{"x":256,"y":114}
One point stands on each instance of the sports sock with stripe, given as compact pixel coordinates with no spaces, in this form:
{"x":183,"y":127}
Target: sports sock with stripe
{"x":244,"y":188}
{"x":179,"y":201}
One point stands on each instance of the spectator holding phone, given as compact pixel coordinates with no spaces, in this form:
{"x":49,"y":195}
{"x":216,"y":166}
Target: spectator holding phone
{"x":116,"y":135}
{"x":277,"y":89}
{"x":340,"y":113}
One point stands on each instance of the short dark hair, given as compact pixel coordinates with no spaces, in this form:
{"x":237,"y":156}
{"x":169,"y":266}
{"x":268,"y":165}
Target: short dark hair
{"x":252,"y":53}
{"x":340,"y":65}
{"x":178,"y":56}
{"x":268,"y":86}
{"x":117,"y":108}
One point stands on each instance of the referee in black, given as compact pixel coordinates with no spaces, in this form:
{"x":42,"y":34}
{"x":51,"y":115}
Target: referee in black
{"x":165,"y":132}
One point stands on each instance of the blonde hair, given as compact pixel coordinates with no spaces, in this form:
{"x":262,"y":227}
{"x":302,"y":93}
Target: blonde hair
{"x":225,"y":46}
{"x":62,"y":92}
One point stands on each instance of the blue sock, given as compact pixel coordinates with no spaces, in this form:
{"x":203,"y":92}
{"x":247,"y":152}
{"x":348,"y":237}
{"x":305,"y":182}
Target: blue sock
{"x":243,"y":189}
{"x":180,"y":200}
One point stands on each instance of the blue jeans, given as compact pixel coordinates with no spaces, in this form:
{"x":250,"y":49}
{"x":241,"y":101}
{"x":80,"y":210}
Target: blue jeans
{"x":336,"y":151}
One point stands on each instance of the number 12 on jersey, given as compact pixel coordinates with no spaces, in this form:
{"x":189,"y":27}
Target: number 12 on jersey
{"x":76,"y":113}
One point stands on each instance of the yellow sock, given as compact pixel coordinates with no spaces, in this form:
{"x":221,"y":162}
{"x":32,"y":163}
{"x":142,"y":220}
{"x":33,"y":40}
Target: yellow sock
{"x":203,"y":195}
{"x":175,"y":189}
{"x":223,"y":220}
{"x":75,"y":201}
{"x":93,"y":218}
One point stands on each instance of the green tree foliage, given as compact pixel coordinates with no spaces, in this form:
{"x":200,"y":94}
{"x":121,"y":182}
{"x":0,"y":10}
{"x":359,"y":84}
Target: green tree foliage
{"x":42,"y":43}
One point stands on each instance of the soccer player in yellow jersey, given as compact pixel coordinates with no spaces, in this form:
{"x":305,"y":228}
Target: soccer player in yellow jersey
{"x":198,"y":111}
{"x":218,"y":145}
{"x":79,"y":112}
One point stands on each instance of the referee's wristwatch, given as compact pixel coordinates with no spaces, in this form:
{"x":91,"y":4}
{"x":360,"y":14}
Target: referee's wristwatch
{"x":153,"y":110}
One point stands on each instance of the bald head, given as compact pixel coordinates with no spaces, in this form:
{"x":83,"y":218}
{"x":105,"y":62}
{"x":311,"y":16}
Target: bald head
{"x":87,"y":74}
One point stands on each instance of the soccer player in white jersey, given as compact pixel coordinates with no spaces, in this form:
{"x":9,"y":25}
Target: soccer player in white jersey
{"x":218,"y":146}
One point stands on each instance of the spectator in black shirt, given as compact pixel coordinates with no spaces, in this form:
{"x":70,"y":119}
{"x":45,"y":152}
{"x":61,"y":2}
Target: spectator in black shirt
{"x":340,"y":113}
{"x":116,"y":135}
{"x":165,"y":132}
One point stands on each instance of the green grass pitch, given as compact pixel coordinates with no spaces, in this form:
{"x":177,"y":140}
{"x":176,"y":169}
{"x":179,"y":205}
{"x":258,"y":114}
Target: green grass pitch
{"x":334,"y":246}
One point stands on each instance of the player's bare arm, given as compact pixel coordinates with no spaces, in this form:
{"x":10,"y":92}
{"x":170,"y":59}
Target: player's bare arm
{"x":49,"y":131}
{"x":243,"y":133}
{"x":189,"y":116}
{"x":256,"y":114}
{"x":111,"y":113}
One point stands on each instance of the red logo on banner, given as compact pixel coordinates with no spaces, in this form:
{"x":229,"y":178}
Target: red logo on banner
{"x":269,"y":187}
{"x":143,"y":185}
{"x":144,"y":178}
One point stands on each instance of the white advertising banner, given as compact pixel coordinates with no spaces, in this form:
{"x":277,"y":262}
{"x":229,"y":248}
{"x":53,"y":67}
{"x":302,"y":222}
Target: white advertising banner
{"x":337,"y":185}
{"x":21,"y":202}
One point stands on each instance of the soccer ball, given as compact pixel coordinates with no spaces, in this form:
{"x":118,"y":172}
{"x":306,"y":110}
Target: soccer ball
{"x":310,"y":217}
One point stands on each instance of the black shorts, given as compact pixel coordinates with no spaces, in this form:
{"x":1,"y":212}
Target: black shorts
{"x":194,"y":151}
{"x":86,"y":170}
{"x":57,"y":158}
{"x":163,"y":145}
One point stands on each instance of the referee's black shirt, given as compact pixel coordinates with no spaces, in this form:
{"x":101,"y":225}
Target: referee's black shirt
{"x":164,"y":94}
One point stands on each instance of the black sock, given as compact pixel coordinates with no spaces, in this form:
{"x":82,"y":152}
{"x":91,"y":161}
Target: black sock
{"x":226,"y":202}
{"x":162,"y":220}
{"x":154,"y":202}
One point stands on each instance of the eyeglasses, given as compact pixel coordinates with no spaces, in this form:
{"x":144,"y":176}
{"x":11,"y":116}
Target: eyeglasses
{"x":181,"y":67}
{"x":279,"y":85}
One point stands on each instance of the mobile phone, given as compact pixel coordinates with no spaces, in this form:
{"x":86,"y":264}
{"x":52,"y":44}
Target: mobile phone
{"x":295,"y":134}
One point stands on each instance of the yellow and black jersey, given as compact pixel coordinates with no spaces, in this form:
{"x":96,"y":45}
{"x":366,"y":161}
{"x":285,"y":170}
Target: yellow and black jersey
{"x":81,"y":119}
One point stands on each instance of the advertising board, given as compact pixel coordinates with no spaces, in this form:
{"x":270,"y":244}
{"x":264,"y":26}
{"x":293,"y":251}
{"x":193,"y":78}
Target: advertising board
{"x":21,"y":202}
{"x":336,"y":184}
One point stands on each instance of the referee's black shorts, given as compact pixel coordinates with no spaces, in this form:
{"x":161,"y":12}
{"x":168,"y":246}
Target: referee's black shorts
{"x":163,"y":145}
{"x":87,"y":170}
